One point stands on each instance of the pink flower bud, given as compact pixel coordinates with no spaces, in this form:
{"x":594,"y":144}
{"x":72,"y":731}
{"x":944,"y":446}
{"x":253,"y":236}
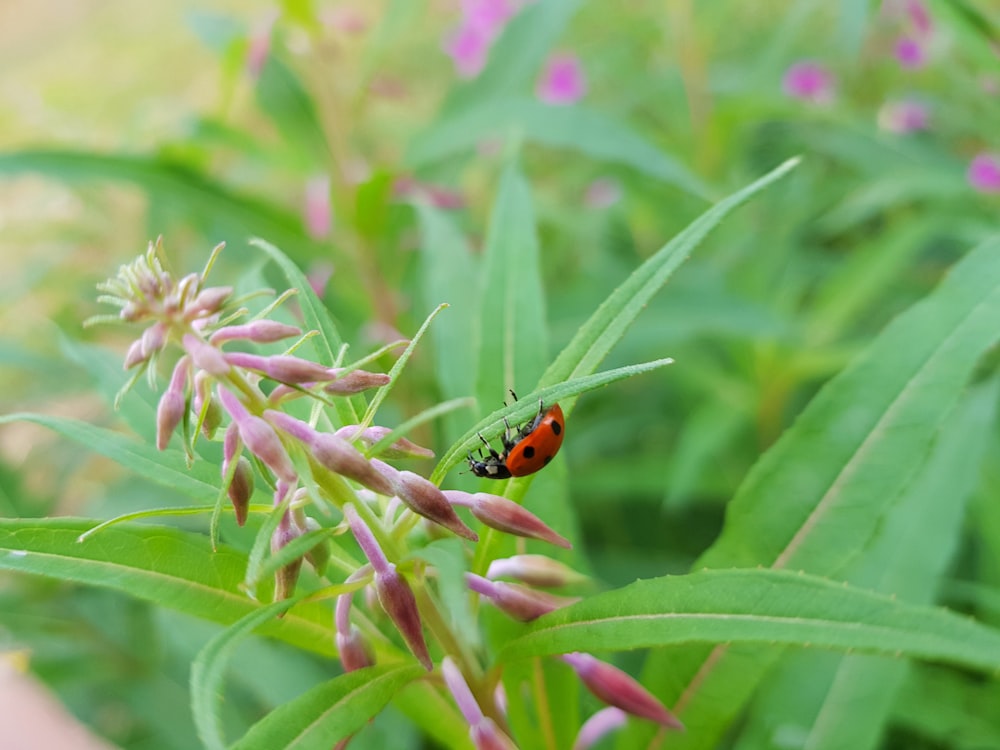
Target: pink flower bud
{"x":535,"y":570}
{"x":486,"y":735}
{"x":209,"y":301}
{"x":281,"y":367}
{"x":259,"y":438}
{"x":401,"y":448}
{"x":205,"y":356}
{"x":240,"y":489}
{"x":354,"y":381}
{"x":153,"y":339}
{"x":520,"y":602}
{"x":599,"y":726}
{"x":135,"y":355}
{"x":398,"y":601}
{"x":354,"y":650}
{"x":505,"y":515}
{"x":259,"y":331}
{"x":287,"y":576}
{"x":173,"y":404}
{"x":616,"y":688}
{"x":332,"y":452}
{"x":424,"y":498}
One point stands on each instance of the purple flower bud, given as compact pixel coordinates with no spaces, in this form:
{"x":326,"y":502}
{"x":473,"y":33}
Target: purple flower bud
{"x":281,"y":367}
{"x":173,"y":404}
{"x":259,"y":438}
{"x":366,"y":540}
{"x":332,"y":452}
{"x":809,"y":81}
{"x":209,"y":301}
{"x":354,"y":650}
{"x":205,"y":356}
{"x":240,"y":489}
{"x":135,"y":355}
{"x":153,"y":339}
{"x":505,"y":515}
{"x":401,"y":448}
{"x":354,"y":381}
{"x":616,"y":688}
{"x":424,"y":498}
{"x":535,"y":570}
{"x":984,"y":173}
{"x":520,"y":602}
{"x":599,"y":726}
{"x":910,"y":53}
{"x":486,"y":735}
{"x":398,"y":601}
{"x":286,"y":576}
{"x":258,"y":331}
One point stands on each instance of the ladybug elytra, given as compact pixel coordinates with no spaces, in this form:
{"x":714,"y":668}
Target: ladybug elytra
{"x":525,"y":450}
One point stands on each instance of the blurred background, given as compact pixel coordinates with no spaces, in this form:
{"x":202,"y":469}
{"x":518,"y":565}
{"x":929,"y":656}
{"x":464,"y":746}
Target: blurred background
{"x":322,"y":126}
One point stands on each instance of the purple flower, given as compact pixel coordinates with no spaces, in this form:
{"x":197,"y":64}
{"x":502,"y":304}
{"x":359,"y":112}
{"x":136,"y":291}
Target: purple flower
{"x":599,"y":726}
{"x":562,"y":80}
{"x":919,"y":16}
{"x":616,"y":688}
{"x":910,"y":53}
{"x":904,"y":116}
{"x":809,"y":81}
{"x":467,"y":46}
{"x":984,"y":173}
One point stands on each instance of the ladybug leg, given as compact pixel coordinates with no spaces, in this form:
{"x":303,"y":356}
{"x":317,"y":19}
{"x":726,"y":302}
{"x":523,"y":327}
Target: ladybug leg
{"x":489,"y":448}
{"x":512,"y":393}
{"x":508,"y":443}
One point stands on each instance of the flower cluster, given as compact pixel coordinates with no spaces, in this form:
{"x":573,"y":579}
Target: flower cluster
{"x":306,"y":465}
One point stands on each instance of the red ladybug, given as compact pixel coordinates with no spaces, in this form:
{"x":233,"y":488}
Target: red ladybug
{"x":533,"y":445}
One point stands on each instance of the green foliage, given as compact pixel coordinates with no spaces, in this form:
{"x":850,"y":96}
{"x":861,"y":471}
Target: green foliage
{"x":793,"y":531}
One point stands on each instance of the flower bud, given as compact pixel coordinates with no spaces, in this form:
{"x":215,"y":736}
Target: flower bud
{"x":240,"y":489}
{"x":173,"y":404}
{"x":599,"y":726}
{"x":286,"y":576}
{"x":486,"y":735}
{"x":319,"y":555}
{"x":332,"y":452}
{"x":520,"y":602}
{"x":616,"y":688}
{"x":535,"y":570}
{"x":424,"y":497}
{"x":354,"y":381}
{"x":205,"y":356}
{"x":398,"y":601}
{"x":354,"y":650}
{"x":259,"y":331}
{"x":400,"y":448}
{"x":483,"y":731}
{"x":209,"y":301}
{"x":153,"y":339}
{"x":135,"y":355}
{"x":260,"y":438}
{"x":505,"y":515}
{"x":281,"y":367}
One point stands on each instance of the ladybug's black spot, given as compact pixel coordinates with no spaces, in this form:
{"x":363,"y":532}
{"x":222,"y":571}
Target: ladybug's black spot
{"x":529,"y":452}
{"x":556,"y":428}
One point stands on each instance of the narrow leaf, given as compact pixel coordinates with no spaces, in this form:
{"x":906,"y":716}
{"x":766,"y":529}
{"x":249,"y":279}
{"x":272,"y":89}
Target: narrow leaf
{"x":759,"y":606}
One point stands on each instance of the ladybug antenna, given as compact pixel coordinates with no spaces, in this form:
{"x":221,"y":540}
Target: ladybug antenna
{"x":512,"y":394}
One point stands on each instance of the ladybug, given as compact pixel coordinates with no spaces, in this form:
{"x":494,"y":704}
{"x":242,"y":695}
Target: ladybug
{"x":532,"y":446}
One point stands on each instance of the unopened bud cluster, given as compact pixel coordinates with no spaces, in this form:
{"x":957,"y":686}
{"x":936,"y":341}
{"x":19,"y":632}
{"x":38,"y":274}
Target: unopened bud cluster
{"x":304,"y":465}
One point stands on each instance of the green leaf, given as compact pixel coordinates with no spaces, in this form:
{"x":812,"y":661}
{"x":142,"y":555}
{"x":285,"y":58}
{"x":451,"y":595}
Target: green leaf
{"x":513,"y":340}
{"x":609,"y":322}
{"x":186,"y":191}
{"x":527,"y":406}
{"x":170,"y":568}
{"x":759,"y":606}
{"x":820,"y":493}
{"x":316,"y":317}
{"x":208,"y":668}
{"x":330,"y":712}
{"x":284,"y":99}
{"x":577,"y":128}
{"x":169,"y":468}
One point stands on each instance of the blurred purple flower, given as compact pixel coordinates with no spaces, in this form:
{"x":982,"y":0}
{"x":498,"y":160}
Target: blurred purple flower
{"x":905,"y":116}
{"x":809,"y":81}
{"x":317,"y":212}
{"x":919,"y":16}
{"x":562,"y":81}
{"x":602,"y":193}
{"x":984,"y":173}
{"x":319,"y":275}
{"x":482,"y":22}
{"x":259,"y":44}
{"x":910,"y":53}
